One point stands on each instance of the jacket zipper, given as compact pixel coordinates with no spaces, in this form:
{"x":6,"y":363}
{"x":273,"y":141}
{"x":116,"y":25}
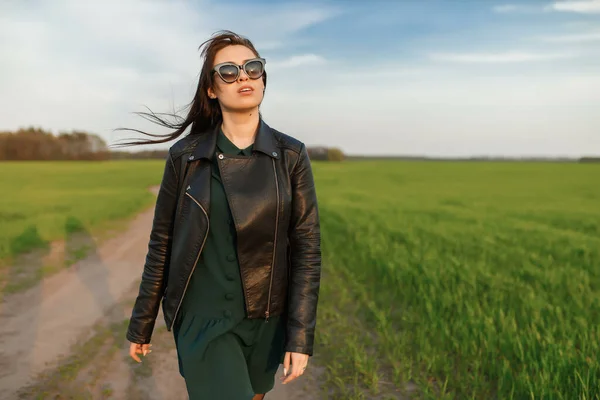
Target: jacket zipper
{"x":274,"y":245}
{"x":197,"y":258}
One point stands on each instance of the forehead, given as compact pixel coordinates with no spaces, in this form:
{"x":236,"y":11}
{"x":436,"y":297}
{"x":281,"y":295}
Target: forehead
{"x":234,"y":53}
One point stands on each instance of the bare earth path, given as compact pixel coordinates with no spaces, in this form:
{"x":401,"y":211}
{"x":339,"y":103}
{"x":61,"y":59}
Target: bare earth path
{"x":41,"y":327}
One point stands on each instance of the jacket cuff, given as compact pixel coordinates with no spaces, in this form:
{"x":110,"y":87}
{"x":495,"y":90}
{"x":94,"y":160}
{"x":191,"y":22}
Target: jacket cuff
{"x":136,"y":339}
{"x":300,"y":349}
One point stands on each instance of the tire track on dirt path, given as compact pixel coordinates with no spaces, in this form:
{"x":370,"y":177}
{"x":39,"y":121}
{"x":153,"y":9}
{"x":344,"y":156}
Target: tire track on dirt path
{"x":54,"y":313}
{"x":40,"y":326}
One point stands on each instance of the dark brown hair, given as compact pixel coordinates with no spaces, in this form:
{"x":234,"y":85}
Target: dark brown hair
{"x":204,"y":113}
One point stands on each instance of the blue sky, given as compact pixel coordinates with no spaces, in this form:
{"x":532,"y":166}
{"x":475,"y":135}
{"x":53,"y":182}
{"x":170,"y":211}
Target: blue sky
{"x":438,"y":78}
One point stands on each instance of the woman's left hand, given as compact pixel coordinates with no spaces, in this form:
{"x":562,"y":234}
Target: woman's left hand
{"x":299,"y":362}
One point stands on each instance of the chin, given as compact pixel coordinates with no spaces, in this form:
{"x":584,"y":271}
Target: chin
{"x":244,"y":105}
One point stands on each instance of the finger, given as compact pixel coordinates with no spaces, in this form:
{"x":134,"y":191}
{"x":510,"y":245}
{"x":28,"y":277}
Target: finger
{"x":286,"y":364}
{"x":297,"y":369}
{"x":133,"y":355}
{"x":290,"y":378}
{"x":295,"y":373}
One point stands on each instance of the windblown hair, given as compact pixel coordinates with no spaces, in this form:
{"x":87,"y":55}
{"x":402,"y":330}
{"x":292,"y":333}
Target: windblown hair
{"x":204,"y":112}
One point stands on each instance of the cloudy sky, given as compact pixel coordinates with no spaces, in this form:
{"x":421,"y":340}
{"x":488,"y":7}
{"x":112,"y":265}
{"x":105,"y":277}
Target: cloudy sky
{"x":423,"y":77}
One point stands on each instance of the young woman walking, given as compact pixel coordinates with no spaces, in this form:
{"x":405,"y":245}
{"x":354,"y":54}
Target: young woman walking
{"x":234,"y":253}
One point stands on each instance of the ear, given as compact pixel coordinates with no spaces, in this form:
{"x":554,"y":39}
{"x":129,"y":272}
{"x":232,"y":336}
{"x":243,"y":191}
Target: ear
{"x":211,"y":93}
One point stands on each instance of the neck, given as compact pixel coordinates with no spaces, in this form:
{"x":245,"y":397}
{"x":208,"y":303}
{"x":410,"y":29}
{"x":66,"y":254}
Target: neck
{"x":240,"y":128}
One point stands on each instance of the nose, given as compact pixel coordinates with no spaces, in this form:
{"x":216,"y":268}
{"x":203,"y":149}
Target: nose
{"x":243,"y":76}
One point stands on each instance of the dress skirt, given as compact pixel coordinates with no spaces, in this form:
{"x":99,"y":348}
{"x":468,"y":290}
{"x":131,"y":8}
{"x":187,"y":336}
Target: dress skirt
{"x":227,"y":359}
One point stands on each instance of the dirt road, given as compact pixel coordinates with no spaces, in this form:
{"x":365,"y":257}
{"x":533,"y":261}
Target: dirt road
{"x":65,"y":336}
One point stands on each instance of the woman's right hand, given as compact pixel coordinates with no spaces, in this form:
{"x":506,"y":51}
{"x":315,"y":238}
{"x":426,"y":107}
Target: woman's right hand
{"x":136,"y":348}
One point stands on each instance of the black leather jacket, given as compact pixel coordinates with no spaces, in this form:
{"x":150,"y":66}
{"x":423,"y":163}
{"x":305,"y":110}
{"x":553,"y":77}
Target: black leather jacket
{"x":274,"y":207}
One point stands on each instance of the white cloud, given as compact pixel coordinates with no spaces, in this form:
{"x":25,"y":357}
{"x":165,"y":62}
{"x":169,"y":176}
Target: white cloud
{"x":514,"y":8}
{"x":89,"y":65}
{"x":65,"y":66}
{"x":493,"y":58}
{"x":576,"y":6}
{"x":447,"y":114}
{"x":581,"y":24}
{"x":572,"y":38}
{"x":505,"y":8}
{"x":297,"y":61}
{"x":441,"y":113}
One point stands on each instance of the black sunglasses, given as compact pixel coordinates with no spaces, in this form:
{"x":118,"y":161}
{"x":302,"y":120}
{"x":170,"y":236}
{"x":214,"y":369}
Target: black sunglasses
{"x":230,"y":72}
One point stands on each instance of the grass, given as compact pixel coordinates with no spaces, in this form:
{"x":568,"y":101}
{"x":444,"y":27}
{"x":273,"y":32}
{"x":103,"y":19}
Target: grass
{"x":45,"y":202}
{"x":470,"y":280}
{"x":441,"y":280}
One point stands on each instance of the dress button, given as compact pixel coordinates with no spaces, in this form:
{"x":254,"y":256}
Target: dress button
{"x":227,"y":313}
{"x":229,"y":277}
{"x":231,"y":257}
{"x":229,"y":296}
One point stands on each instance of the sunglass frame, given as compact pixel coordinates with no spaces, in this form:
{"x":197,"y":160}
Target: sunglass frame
{"x":239,"y":68}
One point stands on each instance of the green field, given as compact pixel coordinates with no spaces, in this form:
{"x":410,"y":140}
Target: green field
{"x":477,"y":280}
{"x":472,"y":280}
{"x":46,"y":201}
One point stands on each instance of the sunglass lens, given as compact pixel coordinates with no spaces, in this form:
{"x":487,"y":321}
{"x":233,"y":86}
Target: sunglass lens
{"x":229,"y":73}
{"x":254,"y":69}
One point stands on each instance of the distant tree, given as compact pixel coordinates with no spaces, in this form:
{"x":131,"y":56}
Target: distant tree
{"x":317,"y":153}
{"x":322,"y":153}
{"x":37,"y":144}
{"x":589,"y":160}
{"x":335,"y":154}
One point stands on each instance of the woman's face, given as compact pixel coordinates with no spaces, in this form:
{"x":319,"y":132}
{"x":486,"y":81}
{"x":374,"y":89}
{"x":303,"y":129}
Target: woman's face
{"x":232,"y":96}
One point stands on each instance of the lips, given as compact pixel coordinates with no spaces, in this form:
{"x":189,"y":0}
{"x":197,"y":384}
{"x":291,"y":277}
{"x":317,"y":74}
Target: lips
{"x":245,"y":89}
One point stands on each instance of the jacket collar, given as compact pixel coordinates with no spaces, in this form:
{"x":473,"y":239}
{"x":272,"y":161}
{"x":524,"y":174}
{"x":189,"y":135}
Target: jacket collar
{"x":224,"y":145}
{"x":264,"y":142}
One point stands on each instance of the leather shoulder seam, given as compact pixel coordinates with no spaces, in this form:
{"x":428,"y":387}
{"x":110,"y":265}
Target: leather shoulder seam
{"x":173,"y":166}
{"x":298,"y":159}
{"x":288,"y":142}
{"x":183,"y":146}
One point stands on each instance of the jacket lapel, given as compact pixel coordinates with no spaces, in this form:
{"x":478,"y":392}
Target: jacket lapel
{"x":198,"y":185}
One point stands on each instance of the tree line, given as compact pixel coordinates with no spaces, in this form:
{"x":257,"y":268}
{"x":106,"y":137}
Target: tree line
{"x":38,"y":144}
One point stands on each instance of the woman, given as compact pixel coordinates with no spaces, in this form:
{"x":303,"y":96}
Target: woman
{"x":234,"y":252}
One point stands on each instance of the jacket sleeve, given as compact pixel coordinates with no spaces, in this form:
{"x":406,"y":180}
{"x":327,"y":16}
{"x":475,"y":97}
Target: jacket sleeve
{"x":154,"y":275}
{"x":305,"y":259}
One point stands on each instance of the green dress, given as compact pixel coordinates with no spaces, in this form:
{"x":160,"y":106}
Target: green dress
{"x":221,"y":353}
